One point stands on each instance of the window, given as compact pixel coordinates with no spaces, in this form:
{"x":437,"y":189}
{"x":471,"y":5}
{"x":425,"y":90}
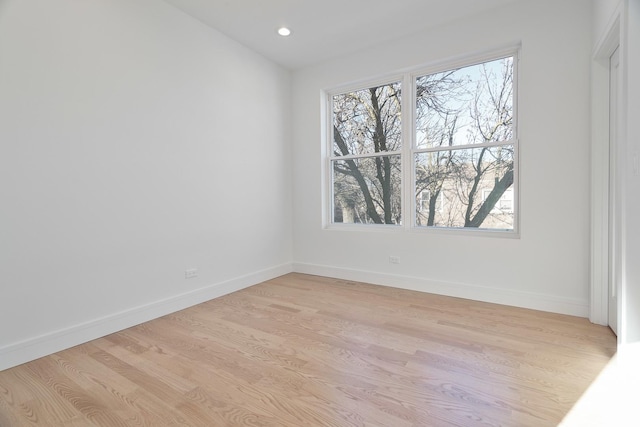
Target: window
{"x":505,"y":202}
{"x":426,"y":203}
{"x":458,"y":157}
{"x":366,"y":161}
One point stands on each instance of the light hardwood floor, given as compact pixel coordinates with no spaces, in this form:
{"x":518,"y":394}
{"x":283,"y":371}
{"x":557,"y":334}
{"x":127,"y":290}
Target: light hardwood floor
{"x":304,"y":350}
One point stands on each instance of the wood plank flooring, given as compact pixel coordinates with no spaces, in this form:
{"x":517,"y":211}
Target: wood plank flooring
{"x":305,"y":350}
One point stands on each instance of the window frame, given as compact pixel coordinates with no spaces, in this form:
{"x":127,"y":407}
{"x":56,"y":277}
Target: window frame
{"x":328,"y":156}
{"x":407,"y":79}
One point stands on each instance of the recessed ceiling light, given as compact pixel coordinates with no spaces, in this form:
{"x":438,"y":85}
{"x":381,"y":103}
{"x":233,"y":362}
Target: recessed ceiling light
{"x":284,"y":31}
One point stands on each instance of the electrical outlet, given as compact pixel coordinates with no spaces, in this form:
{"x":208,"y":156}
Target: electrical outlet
{"x":394,"y":259}
{"x":191,"y":273}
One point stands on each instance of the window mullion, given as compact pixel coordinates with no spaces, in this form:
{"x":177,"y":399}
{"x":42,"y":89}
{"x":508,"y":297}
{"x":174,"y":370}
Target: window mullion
{"x":367,"y":155}
{"x":465,"y":146}
{"x":408,"y":136}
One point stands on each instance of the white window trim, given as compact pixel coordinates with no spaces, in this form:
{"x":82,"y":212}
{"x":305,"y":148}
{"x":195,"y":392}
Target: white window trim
{"x":407,"y":78}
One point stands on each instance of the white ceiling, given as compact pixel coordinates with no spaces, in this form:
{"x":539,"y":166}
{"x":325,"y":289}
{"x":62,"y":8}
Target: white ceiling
{"x":322,"y":29}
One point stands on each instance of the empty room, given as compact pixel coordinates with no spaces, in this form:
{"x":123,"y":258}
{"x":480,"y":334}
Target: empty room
{"x":319,"y":213}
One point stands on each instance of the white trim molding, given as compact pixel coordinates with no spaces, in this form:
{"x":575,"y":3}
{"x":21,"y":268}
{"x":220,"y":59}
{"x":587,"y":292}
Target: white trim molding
{"x":600,"y":173}
{"x":542,"y":302}
{"x":43,"y":345}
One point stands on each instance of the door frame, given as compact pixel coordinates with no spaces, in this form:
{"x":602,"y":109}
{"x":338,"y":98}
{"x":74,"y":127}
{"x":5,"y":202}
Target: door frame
{"x":600,"y":175}
{"x":614,"y":209}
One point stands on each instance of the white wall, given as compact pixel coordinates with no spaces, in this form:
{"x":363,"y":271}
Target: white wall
{"x":135,"y":142}
{"x":548,"y":266}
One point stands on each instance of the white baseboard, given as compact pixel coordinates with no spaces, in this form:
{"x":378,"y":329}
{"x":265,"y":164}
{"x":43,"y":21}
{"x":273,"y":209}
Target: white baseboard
{"x":550,"y":303}
{"x":51,"y":342}
{"x":43,"y":345}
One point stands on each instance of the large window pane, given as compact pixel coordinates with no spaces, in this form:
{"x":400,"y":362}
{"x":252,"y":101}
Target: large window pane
{"x":465,"y":188}
{"x":470,"y":105}
{"x":362,"y":195}
{"x":367,"y":121}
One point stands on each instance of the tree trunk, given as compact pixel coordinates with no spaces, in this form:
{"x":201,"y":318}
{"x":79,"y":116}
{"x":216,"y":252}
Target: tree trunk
{"x":383,"y":164}
{"x":357,"y":175}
